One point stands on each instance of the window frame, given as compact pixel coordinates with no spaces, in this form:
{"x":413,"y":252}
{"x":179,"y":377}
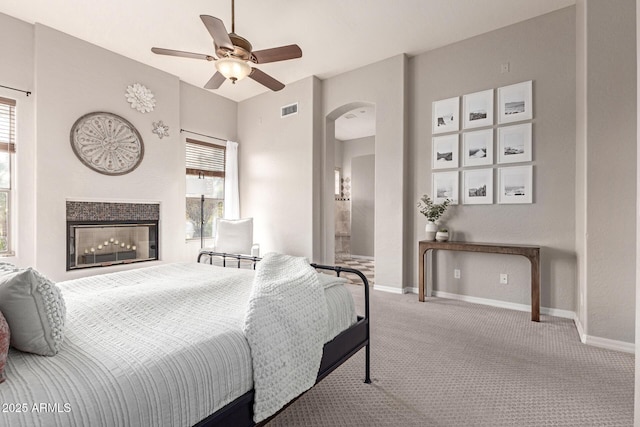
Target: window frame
{"x":8,"y":145}
{"x":213,"y":171}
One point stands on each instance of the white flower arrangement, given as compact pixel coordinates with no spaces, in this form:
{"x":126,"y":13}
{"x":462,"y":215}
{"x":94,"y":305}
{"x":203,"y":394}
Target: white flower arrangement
{"x":140,"y":98}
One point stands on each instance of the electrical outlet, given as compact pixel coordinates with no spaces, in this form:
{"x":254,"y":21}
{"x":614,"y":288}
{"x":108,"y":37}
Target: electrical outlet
{"x":504,"y":278}
{"x":456,"y":273}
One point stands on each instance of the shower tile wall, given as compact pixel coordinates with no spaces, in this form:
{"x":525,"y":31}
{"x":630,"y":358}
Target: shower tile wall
{"x":343,"y":227}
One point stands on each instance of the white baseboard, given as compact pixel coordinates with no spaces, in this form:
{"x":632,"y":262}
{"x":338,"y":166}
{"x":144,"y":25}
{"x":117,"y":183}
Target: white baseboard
{"x":580,"y":328}
{"x":505,"y":304}
{"x":609,"y":344}
{"x":627,"y":347}
{"x":389,"y":289}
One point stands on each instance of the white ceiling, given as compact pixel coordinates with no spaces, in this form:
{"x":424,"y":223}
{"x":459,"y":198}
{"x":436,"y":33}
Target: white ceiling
{"x":357,"y":123}
{"x":335,"y":35}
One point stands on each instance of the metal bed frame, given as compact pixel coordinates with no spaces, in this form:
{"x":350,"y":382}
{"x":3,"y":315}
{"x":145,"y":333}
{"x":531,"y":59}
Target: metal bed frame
{"x":335,"y":352}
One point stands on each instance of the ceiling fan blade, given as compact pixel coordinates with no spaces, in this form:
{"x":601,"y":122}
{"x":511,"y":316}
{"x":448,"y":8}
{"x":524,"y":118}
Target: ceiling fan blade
{"x":171,"y":52}
{"x":218,"y":32}
{"x":215,"y":82}
{"x":275,"y":54}
{"x":266,"y":80}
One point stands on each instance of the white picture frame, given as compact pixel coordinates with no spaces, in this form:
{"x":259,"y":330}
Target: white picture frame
{"x":477,"y":109}
{"x":477,"y":148}
{"x":445,"y":186}
{"x":444,"y":151}
{"x":445,"y":115}
{"x":515,"y":102}
{"x":515,"y":184}
{"x":514,"y":143}
{"x":477,"y":186}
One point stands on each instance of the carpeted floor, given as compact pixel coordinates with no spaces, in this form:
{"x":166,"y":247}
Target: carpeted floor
{"x":451,"y":363}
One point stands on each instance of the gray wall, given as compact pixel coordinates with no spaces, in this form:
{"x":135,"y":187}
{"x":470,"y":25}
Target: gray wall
{"x":637,"y":260}
{"x":581,"y":166}
{"x":355,"y":147}
{"x":69,"y":78}
{"x":382,"y":84}
{"x":17,"y":70}
{"x":542,"y":50}
{"x":363,"y":205}
{"x":85,"y":78}
{"x":276,"y":168}
{"x":610,"y":179}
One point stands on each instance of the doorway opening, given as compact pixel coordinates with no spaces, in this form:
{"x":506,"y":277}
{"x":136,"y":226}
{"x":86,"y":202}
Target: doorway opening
{"x":354,"y":189}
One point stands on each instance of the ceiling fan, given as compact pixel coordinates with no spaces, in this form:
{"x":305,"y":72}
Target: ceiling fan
{"x":235,"y":55}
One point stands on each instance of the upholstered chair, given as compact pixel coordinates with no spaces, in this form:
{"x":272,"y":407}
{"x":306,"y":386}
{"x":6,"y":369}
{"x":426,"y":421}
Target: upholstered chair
{"x":234,"y":236}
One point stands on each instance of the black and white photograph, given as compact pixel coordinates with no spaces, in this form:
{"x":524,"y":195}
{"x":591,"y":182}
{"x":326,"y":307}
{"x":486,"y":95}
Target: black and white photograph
{"x":515,"y":184}
{"x":478,"y":109}
{"x":477,"y":148}
{"x":445,"y":152}
{"x":446,"y":115}
{"x":477,"y":186}
{"x":445,"y":186}
{"x":514,"y":144}
{"x":515,"y":102}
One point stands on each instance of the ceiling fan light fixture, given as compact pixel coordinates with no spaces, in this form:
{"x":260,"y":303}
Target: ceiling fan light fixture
{"x":233,"y":68}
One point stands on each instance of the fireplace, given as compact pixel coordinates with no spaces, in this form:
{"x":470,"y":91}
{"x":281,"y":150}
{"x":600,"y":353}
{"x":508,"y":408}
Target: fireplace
{"x":103,"y":234}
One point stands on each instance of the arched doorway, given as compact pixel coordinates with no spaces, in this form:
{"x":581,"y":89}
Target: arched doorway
{"x":354,"y":123}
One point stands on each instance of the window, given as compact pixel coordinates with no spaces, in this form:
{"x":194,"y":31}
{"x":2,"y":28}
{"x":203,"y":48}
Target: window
{"x":7,"y":149}
{"x":205,"y":177}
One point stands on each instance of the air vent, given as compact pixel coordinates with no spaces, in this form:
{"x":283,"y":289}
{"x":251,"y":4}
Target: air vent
{"x":289,"y":110}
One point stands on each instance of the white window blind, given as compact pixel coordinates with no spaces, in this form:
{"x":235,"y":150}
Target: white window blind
{"x":204,"y":159}
{"x":7,"y":147}
{"x":7,"y":124}
{"x":7,"y":139}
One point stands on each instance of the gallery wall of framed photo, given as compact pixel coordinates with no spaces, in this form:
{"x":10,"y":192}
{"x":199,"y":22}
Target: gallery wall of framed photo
{"x":464,"y":163}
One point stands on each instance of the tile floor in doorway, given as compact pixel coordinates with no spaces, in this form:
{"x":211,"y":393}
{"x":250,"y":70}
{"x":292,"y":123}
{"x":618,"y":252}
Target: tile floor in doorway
{"x":366,"y":266}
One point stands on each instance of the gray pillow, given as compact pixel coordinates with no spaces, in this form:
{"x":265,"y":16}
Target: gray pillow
{"x":34,"y":309}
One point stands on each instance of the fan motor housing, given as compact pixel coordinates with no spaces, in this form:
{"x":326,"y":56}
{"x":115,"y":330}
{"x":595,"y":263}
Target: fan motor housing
{"x":242,"y":48}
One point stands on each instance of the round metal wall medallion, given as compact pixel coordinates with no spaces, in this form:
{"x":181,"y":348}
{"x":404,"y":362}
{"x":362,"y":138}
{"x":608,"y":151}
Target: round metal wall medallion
{"x":107,"y":143}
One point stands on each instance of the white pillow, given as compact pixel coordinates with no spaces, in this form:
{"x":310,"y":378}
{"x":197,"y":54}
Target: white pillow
{"x":34,"y":310}
{"x":234,"y":236}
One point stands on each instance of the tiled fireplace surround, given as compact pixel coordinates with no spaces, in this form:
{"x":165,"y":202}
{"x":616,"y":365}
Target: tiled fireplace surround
{"x":109,"y":211}
{"x":133,"y":225}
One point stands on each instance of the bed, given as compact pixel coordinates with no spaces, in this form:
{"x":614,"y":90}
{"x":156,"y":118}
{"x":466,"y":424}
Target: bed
{"x":129,"y":357}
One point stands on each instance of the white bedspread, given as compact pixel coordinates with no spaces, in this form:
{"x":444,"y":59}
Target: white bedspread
{"x":286,"y":326}
{"x":157,"y":346}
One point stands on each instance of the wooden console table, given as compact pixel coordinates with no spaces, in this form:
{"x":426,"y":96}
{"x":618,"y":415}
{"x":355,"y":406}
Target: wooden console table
{"x":532,"y":253}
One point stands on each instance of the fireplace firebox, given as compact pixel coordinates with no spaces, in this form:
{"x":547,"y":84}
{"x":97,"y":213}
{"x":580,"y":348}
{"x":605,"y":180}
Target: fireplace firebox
{"x":104,"y":234}
{"x":100,"y":245}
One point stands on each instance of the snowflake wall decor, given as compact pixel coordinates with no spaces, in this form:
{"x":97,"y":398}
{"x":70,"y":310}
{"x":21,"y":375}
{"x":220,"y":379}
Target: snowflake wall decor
{"x":140,"y":98}
{"x":160,"y":129}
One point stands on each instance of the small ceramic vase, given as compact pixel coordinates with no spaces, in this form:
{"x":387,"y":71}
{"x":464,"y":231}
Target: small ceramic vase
{"x":430,"y":230}
{"x":442,"y":236}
